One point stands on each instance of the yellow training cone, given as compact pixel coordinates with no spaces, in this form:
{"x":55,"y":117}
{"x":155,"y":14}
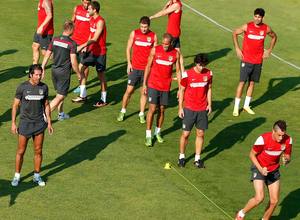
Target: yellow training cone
{"x":167,"y":166}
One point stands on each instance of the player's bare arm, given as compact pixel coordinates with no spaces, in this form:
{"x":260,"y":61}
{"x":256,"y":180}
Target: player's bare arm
{"x":14,"y":109}
{"x":180,"y":101}
{"x":48,"y":8}
{"x":178,"y":70}
{"x":166,"y":11}
{"x":155,"y":41}
{"x":209,"y":99}
{"x":147,"y":70}
{"x":128,"y":51}
{"x":273,"y":36}
{"x":48,"y":116}
{"x":74,"y":14}
{"x":262,"y":170}
{"x":235,"y":35}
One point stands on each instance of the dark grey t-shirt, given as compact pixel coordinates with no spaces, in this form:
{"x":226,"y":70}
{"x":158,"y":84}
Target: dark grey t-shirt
{"x":62,"y":46}
{"x":32,"y":99}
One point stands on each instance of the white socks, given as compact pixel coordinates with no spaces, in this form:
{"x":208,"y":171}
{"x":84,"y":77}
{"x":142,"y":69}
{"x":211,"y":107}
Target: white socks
{"x":157,"y":131}
{"x":241,"y":213}
{"x":141,"y":114}
{"x":181,"y":156}
{"x":17,"y":175}
{"x":197,"y":157}
{"x":237,"y":102}
{"x":123,"y":110}
{"x":247,"y":101}
{"x":103,"y":96}
{"x":83,"y":92}
{"x":148,"y":133}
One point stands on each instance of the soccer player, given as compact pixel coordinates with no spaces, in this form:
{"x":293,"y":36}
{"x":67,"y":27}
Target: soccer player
{"x":251,"y":56}
{"x":140,"y":42}
{"x":63,"y":49}
{"x":81,"y":19}
{"x":173,"y":9}
{"x":45,"y":29}
{"x":32,"y":98}
{"x":96,"y":53}
{"x":195,"y":103}
{"x":157,"y":83}
{"x":265,"y":157}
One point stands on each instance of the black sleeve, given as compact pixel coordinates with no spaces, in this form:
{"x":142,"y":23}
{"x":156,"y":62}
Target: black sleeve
{"x":19,"y":92}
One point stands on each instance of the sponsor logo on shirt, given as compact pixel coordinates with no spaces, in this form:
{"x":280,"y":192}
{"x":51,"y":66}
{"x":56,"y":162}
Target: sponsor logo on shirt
{"x":200,"y":84}
{"x":34,"y":97}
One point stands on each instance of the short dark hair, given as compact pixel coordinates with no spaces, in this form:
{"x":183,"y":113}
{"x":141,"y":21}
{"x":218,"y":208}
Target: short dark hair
{"x":281,"y":124}
{"x":145,"y":20}
{"x":259,"y":11}
{"x":95,"y":5}
{"x":168,"y":36}
{"x":68,"y":25}
{"x":201,"y":59}
{"x":34,"y":67}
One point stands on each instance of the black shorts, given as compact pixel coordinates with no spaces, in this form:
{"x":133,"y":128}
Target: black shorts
{"x":31,"y":129}
{"x":136,"y":77}
{"x":91,"y":60}
{"x":61,"y":82}
{"x":197,"y":118}
{"x":250,"y":72}
{"x":42,"y":40}
{"x":176,"y":42}
{"x":272,"y":177}
{"x":158,"y":97}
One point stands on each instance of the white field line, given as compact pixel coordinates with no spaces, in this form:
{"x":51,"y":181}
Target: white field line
{"x":229,"y":30}
{"x":212,"y":202}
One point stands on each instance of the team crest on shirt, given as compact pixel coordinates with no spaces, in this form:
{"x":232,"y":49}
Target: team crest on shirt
{"x":205,"y":78}
{"x":41,"y":92}
{"x":282,"y":147}
{"x":149,"y":39}
{"x":261,"y":32}
{"x":170,"y":58}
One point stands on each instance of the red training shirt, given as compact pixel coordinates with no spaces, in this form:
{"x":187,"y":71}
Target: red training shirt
{"x":48,"y":29}
{"x":253,"y":44}
{"x":174,"y":20}
{"x":82,"y":25}
{"x":99,"y":47}
{"x":196,"y":87}
{"x":142,"y":45}
{"x":269,"y":151}
{"x":161,"y":70}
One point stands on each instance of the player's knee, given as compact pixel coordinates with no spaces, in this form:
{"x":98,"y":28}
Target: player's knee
{"x":38,"y":150}
{"x":259,"y":199}
{"x":200,"y":133}
{"x":274,"y":202}
{"x":185,"y":135}
{"x":35,"y":47}
{"x":20,"y":152}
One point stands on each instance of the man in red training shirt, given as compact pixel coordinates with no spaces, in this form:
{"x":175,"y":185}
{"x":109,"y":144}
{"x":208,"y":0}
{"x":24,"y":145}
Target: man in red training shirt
{"x":195,"y":103}
{"x":157,"y":83}
{"x":140,"y":42}
{"x":252,"y":56}
{"x":265,"y":156}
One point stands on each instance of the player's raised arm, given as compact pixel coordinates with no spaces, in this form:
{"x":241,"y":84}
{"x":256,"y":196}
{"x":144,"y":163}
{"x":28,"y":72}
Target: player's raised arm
{"x":166,"y":11}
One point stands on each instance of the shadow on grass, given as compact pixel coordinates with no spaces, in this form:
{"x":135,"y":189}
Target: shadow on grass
{"x":12,"y":73}
{"x":278,"y":87}
{"x":7,"y":52}
{"x":212,"y":56}
{"x":6,"y":116}
{"x":87,"y":150}
{"x":231,"y":135}
{"x":290,"y":207}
